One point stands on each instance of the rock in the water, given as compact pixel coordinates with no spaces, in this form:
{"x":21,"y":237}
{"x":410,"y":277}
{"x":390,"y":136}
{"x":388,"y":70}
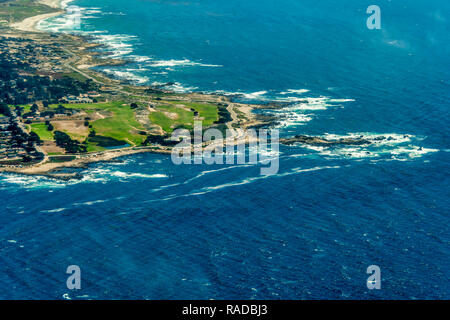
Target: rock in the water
{"x":318,"y":141}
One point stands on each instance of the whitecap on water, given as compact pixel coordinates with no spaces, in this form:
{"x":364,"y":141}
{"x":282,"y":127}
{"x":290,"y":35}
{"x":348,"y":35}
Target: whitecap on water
{"x":294,"y":114}
{"x":294,"y":91}
{"x":245,"y":181}
{"x":129,"y":75}
{"x":54,"y":210}
{"x":180,"y":63}
{"x":389,"y":146}
{"x":176,"y":87}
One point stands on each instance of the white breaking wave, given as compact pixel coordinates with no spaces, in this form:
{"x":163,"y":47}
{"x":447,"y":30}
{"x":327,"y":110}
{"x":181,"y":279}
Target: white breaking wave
{"x":206,"y":190}
{"x":126,"y":175}
{"x":138,"y":58}
{"x":294,"y":113}
{"x":89,"y":203}
{"x":127,"y":75}
{"x":294,"y":91}
{"x":389,"y":146}
{"x":254,"y":95}
{"x":176,"y":87}
{"x":54,"y":210}
{"x":180,"y":63}
{"x":118,"y":45}
{"x":102,"y":173}
{"x":258,"y":95}
{"x":30,"y":182}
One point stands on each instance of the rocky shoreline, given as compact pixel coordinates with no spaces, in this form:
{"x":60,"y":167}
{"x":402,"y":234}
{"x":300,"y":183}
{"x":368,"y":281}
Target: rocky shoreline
{"x":79,"y":57}
{"x":320,"y":142}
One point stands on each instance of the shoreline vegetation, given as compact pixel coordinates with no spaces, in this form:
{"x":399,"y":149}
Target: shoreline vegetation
{"x":57,"y":112}
{"x":79,"y":114}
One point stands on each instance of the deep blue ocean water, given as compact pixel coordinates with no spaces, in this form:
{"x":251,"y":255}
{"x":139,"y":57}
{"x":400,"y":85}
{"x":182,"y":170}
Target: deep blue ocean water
{"x":145,"y":228}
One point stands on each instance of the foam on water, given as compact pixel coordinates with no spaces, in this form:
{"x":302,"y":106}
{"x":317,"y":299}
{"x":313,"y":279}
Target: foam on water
{"x":127,"y":75}
{"x":175,"y":87}
{"x":294,"y":91}
{"x":179,"y":63}
{"x":245,"y":181}
{"x":389,"y":146}
{"x":57,"y":210}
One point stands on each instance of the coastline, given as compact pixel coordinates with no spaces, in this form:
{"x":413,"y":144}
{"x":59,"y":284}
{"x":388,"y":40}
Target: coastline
{"x":85,"y":58}
{"x":49,"y":169}
{"x":30,"y":24}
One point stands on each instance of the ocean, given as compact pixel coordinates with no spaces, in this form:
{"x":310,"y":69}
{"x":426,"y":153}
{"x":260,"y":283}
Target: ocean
{"x":145,"y":228}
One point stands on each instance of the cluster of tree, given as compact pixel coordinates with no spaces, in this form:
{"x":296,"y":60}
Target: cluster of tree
{"x":60,"y":109}
{"x":160,"y":140}
{"x":19,"y":136}
{"x":33,"y":111}
{"x":49,"y":126}
{"x":195,"y":112}
{"x":33,"y":137}
{"x":48,"y":113}
{"x":64,"y":141}
{"x":224,"y":115}
{"x":21,"y":139}
{"x":18,"y":110}
{"x":106,"y":142}
{"x":4,"y":109}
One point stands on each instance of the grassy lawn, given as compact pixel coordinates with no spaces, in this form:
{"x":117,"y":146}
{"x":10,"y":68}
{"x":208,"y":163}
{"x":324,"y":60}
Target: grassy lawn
{"x":26,"y":107}
{"x":185,"y":117}
{"x":93,"y":147}
{"x":76,"y":76}
{"x":119,"y":126}
{"x":22,"y":9}
{"x":207,"y":111}
{"x":123,"y":126}
{"x":161,"y":120}
{"x":41,"y":130}
{"x":75,"y":136}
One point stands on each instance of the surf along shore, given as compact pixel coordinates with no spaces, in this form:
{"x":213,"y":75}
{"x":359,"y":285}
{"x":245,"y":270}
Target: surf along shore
{"x":29,"y":24}
{"x":108,"y":118}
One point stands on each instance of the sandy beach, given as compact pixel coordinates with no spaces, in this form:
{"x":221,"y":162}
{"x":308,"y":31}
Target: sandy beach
{"x":29,"y":24}
{"x":241,"y":114}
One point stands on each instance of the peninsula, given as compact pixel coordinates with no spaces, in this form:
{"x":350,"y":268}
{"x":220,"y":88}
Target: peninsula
{"x":56,"y":111}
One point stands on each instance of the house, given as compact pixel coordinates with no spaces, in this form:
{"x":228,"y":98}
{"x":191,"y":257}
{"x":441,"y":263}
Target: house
{"x":4,"y":120}
{"x":80,"y":99}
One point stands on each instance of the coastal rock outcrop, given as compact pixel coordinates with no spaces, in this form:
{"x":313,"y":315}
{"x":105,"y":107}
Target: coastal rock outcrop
{"x":319,"y":141}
